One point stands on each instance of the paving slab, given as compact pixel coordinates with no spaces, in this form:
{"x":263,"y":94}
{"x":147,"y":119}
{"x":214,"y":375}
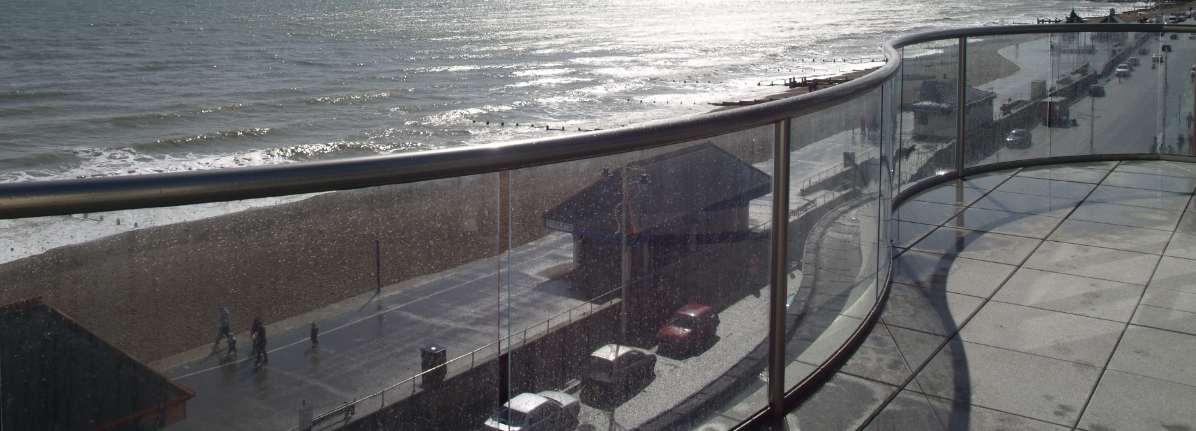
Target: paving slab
{"x":1095,"y":262}
{"x":1164,"y":355}
{"x":993,"y":247}
{"x":906,"y":233}
{"x":1182,"y":245}
{"x":1033,"y":386}
{"x":1158,"y":167}
{"x":925,"y":212}
{"x":1149,"y":181}
{"x":1048,"y":333}
{"x":951,"y":273}
{"x":890,"y":353}
{"x":916,"y":411}
{"x":1168,"y":309}
{"x":1138,"y":239}
{"x":988,"y":181}
{"x":1046,"y":187}
{"x":1175,"y":274}
{"x":1085,"y":296}
{"x":1006,"y":222}
{"x":1140,"y":197}
{"x":1053,"y":206}
{"x":1126,"y":401}
{"x":1126,"y":215}
{"x":952,"y":193}
{"x":926,"y":310}
{"x":843,"y":403}
{"x":1084,"y":173}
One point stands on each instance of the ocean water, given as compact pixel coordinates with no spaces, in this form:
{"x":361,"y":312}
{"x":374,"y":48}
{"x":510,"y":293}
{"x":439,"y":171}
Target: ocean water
{"x":118,"y":87}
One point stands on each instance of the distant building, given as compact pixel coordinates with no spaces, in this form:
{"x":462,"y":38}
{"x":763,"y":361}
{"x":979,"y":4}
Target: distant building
{"x":56,"y":375}
{"x":679,"y":204}
{"x":934,"y":110}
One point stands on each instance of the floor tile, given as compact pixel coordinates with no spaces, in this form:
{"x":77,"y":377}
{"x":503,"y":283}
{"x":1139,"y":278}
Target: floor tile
{"x":1071,"y":294}
{"x":1041,"y":332}
{"x":1088,"y":261}
{"x":1045,"y":187}
{"x":1042,"y":388}
{"x":1168,"y":309}
{"x":1011,"y":223}
{"x":1053,"y":206}
{"x":950,"y":193}
{"x":906,"y":233}
{"x":993,"y":247}
{"x":1187,"y":224}
{"x":1112,"y":236}
{"x":1130,"y":402}
{"x":1126,"y":215}
{"x":890,"y":353}
{"x":1182,"y":245}
{"x":932,"y":311}
{"x":925,"y":212}
{"x":1176,"y":274}
{"x":1156,"y":353}
{"x":950,"y":273}
{"x":1158,"y":167}
{"x":1140,"y":197}
{"x":988,"y":181}
{"x":843,"y":403}
{"x":915,"y":411}
{"x":1153,"y":182}
{"x":1090,"y":173}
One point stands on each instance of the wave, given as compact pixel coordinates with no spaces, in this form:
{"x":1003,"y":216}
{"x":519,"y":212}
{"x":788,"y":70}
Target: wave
{"x":207,"y":138}
{"x":351,"y":99}
{"x":23,"y":95}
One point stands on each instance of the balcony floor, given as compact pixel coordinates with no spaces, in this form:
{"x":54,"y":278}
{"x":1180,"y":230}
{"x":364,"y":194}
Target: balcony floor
{"x":1046,"y":298}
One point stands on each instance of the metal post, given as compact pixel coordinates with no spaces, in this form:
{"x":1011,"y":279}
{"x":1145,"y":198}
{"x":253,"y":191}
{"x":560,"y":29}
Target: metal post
{"x":777,"y":280}
{"x":961,"y":106}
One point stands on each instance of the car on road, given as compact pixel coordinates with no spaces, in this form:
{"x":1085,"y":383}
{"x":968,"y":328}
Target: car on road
{"x":689,"y":326}
{"x":617,"y":367}
{"x":1122,"y":71}
{"x":1134,"y":62}
{"x":1018,"y":138}
{"x":543,"y":411}
{"x":1096,"y":91}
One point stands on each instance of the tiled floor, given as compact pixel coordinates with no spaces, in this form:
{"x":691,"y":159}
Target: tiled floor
{"x":1048,"y":298}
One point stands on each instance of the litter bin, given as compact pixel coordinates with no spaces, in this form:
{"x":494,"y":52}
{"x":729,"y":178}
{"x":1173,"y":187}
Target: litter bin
{"x":431,"y":359}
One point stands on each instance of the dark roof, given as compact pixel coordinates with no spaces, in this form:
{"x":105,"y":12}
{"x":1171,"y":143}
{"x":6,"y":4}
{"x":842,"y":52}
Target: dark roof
{"x":1074,"y":18}
{"x":1111,"y":18}
{"x":942,"y":94}
{"x":58,"y":375}
{"x":662,"y":190}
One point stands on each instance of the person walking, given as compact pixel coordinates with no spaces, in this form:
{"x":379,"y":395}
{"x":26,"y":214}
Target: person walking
{"x":315,"y":336}
{"x":258,"y":332}
{"x":223,"y":332}
{"x":232,"y":347}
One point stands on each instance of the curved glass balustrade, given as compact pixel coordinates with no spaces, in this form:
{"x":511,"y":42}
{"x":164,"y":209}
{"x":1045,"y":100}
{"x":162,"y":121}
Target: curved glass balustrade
{"x":698,"y":273}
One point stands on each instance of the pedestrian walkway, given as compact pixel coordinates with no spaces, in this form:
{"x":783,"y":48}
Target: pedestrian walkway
{"x":1048,"y":298}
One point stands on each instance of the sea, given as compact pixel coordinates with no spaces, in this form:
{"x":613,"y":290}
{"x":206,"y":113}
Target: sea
{"x":118,"y":87}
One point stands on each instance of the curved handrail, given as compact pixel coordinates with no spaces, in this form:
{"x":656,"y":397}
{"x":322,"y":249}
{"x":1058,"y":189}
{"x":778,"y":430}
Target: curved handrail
{"x":60,"y":197}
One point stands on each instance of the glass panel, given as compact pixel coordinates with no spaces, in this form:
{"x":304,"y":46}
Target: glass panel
{"x":929,"y":74}
{"x":1009,"y":77}
{"x":833,"y":232}
{"x":380,"y":272}
{"x":669,"y":248}
{"x":1177,"y":69}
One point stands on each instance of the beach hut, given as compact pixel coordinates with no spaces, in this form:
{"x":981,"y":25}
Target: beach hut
{"x":934,"y":110}
{"x":686,"y":230}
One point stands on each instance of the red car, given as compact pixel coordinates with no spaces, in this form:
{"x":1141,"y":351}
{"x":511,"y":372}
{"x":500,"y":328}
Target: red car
{"x":689,"y":326}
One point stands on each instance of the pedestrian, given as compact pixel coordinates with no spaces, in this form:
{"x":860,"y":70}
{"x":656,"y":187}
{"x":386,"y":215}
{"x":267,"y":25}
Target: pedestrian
{"x":232,"y":346}
{"x":315,"y":335}
{"x":224,"y":331}
{"x":259,"y":345}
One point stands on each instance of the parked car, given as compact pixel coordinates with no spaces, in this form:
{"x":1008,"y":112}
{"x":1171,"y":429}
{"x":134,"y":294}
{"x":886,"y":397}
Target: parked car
{"x":689,"y":326}
{"x":618,"y":367}
{"x":1122,"y":71}
{"x":1096,"y":91}
{"x":543,"y":411}
{"x":1018,"y":138}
